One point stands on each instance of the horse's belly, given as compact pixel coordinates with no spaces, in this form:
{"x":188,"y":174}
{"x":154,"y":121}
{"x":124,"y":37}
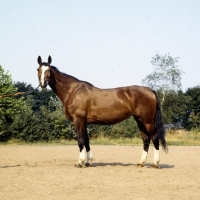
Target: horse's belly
{"x":107,"y":116}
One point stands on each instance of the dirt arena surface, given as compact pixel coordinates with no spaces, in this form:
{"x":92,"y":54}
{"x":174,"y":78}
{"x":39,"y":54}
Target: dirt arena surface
{"x":48,"y":172}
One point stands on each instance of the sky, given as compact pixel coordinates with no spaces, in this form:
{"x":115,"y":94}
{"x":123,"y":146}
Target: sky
{"x":109,"y":43}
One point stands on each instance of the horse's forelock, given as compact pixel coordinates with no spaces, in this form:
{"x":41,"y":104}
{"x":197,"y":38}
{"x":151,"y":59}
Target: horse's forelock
{"x":44,"y":64}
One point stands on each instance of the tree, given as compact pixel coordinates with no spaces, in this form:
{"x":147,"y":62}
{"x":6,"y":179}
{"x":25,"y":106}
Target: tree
{"x":43,"y":124}
{"x":194,"y":119}
{"x":60,"y":123}
{"x":166,"y":75}
{"x":125,"y":129}
{"x":9,"y":106}
{"x":192,"y":115}
{"x":40,"y":98}
{"x":22,"y":86}
{"x":175,"y":107}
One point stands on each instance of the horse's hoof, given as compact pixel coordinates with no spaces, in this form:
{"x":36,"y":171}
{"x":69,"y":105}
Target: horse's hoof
{"x":140,"y":165}
{"x":78,"y":165}
{"x":88,"y":165}
{"x":154,"y":166}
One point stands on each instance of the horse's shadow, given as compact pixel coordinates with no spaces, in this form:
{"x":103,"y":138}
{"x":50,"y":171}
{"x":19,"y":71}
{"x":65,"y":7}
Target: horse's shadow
{"x":166,"y":166}
{"x":10,"y":166}
{"x":103,"y":164}
{"x":146,"y":165}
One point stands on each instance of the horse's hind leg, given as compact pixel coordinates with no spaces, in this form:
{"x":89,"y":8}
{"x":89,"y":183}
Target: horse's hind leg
{"x":156,"y":157}
{"x":148,"y":132}
{"x":146,"y":142}
{"x":152,"y":132}
{"x":89,"y":153}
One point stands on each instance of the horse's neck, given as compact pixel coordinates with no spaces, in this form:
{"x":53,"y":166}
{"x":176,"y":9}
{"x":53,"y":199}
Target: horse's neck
{"x":61,"y":84}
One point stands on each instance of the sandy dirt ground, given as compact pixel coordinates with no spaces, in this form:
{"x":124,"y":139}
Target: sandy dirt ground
{"x":48,"y":172}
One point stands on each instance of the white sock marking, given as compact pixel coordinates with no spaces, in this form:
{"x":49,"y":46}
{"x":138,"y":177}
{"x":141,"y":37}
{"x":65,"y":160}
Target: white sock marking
{"x":89,"y":157}
{"x":156,"y":156}
{"x":143,"y":157}
{"x":82,"y":157}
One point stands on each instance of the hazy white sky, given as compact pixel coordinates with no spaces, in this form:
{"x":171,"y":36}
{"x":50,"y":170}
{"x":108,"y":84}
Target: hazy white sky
{"x":109,"y":43}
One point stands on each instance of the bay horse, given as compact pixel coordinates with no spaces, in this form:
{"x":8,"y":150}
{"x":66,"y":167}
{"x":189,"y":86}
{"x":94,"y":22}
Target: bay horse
{"x":86,"y":104}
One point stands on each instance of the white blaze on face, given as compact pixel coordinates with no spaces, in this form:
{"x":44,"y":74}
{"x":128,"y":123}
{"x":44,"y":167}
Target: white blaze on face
{"x":44,"y":68}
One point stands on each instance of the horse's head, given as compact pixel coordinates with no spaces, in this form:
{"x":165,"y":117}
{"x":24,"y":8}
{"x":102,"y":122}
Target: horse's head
{"x":44,"y":72}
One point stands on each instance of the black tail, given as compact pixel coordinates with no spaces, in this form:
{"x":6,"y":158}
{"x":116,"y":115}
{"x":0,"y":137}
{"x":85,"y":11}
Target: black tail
{"x":159,"y":125}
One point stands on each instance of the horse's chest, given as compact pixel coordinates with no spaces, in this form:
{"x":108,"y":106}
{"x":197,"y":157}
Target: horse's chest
{"x":68,"y":114}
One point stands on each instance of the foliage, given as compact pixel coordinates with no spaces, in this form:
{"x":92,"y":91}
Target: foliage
{"x":194,"y":119}
{"x":39,"y":116}
{"x":166,"y":75}
{"x":125,"y":129}
{"x":174,"y":107}
{"x":40,"y":98}
{"x":41,"y":125}
{"x":48,"y":123}
{"x":9,"y":107}
{"x":192,"y":115}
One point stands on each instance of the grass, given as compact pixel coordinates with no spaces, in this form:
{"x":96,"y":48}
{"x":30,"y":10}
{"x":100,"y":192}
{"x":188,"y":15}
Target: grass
{"x":119,"y":141}
{"x":97,"y":141}
{"x":176,"y":138}
{"x":183,"y":138}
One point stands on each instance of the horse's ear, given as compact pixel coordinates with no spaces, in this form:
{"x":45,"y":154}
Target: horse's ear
{"x":49,"y":60}
{"x":39,"y":60}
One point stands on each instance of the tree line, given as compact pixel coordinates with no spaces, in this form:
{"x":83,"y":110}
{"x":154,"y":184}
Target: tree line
{"x":39,"y":116}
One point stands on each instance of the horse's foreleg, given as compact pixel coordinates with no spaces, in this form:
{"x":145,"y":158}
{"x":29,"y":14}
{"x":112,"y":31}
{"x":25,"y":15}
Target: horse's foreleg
{"x":81,"y":161}
{"x":143,"y":159}
{"x":80,"y":131}
{"x":89,"y":153}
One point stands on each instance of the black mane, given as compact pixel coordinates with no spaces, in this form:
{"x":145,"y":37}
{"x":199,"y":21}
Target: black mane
{"x":56,"y":69}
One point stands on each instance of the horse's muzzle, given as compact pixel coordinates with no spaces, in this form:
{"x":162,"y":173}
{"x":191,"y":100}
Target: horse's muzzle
{"x":43,"y":86}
